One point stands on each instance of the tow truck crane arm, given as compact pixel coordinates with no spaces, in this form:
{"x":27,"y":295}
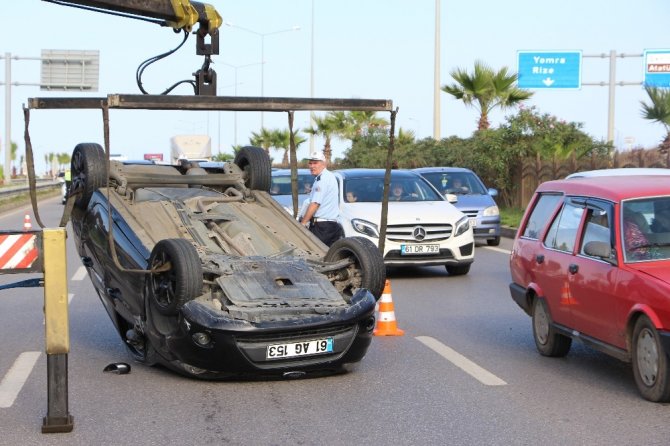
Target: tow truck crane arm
{"x":177,"y":14}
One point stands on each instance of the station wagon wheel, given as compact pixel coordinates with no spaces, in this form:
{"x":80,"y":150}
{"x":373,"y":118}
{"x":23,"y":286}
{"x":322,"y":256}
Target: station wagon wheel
{"x":89,"y":172}
{"x":495,"y":241}
{"x":255,"y":163}
{"x":181,"y":282}
{"x":547,"y":341}
{"x":650,"y":362}
{"x":367,"y":271}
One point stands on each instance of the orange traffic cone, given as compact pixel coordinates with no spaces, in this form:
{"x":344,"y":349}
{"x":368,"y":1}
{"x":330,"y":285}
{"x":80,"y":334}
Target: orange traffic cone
{"x":386,"y":323}
{"x":27,"y":225}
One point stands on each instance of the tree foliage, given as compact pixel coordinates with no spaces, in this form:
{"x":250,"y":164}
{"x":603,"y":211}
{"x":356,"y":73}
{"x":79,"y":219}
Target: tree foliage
{"x":486,"y":89}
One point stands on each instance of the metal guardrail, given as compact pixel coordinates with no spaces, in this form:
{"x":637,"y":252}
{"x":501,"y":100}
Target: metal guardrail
{"x":12,"y":191}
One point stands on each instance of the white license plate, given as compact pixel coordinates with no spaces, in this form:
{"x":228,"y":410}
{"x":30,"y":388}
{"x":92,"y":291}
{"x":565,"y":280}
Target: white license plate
{"x":419,"y":249}
{"x":305,"y":348}
{"x":473,"y":222}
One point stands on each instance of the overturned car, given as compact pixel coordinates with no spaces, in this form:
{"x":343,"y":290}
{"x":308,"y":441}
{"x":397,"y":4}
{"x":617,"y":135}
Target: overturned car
{"x":203,"y":272}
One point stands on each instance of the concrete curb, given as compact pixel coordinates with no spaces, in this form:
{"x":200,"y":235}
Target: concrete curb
{"x":507,"y":232}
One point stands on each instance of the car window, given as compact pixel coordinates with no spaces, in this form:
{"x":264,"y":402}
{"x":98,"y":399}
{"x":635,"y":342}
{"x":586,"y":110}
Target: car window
{"x":563,"y":231}
{"x":281,"y":184}
{"x":646,"y":229}
{"x":598,"y":225}
{"x":542,"y":212}
{"x":456,"y":183}
{"x":370,"y":190}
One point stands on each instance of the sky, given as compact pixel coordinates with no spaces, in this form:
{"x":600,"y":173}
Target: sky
{"x":370,"y":49}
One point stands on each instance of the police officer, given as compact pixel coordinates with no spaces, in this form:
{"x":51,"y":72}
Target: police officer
{"x":321,"y":214}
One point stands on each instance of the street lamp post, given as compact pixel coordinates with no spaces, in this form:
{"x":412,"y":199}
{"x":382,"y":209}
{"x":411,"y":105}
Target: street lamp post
{"x":262,"y":36}
{"x":436,"y":80}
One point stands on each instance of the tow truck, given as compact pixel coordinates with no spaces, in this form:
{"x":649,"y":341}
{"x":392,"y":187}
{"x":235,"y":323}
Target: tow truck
{"x":147,"y":328}
{"x":180,"y":15}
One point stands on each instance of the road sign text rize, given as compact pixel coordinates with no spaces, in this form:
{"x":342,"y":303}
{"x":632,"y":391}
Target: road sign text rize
{"x":549,"y":69}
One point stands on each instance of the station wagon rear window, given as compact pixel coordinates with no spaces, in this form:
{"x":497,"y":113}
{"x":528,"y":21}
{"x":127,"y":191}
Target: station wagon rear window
{"x":544,"y":208}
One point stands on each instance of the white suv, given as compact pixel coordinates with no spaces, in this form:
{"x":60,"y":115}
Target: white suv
{"x":423,"y":228}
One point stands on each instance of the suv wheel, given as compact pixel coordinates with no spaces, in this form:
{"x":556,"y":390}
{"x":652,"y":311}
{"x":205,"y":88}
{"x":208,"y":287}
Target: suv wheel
{"x":458,"y":270}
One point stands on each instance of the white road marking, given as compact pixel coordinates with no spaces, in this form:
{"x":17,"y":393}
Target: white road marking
{"x":80,"y":274}
{"x":493,"y":248}
{"x":16,"y":377}
{"x":484,"y":376}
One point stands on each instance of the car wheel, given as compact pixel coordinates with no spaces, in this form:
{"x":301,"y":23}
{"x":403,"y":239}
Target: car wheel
{"x":495,"y":241}
{"x":547,"y":341}
{"x":367,"y":270}
{"x":458,"y":270}
{"x":178,"y":278}
{"x":89,"y":172}
{"x":255,"y":163}
{"x":650,"y":362}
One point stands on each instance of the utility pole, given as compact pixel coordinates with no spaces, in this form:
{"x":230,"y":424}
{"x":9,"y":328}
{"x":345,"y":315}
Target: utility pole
{"x":612,"y":83}
{"x":436,"y":81}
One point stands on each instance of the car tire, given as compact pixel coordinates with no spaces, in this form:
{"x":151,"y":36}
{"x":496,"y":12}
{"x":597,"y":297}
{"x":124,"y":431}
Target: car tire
{"x":495,"y":241}
{"x":170,"y":290}
{"x":89,"y":172}
{"x":255,"y":163}
{"x":547,"y":341}
{"x":368,"y":270}
{"x":650,"y":362}
{"x":458,"y":270}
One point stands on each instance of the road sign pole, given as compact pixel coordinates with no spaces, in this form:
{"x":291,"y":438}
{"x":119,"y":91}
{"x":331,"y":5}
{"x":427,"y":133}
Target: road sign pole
{"x":610,"y":110}
{"x":8,"y":118}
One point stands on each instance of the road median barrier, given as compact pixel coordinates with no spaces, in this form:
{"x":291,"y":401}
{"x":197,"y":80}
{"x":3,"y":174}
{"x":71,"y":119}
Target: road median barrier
{"x":43,"y":251}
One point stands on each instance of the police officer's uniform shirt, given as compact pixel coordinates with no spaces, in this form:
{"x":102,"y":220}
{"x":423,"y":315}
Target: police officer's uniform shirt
{"x":324,"y":192}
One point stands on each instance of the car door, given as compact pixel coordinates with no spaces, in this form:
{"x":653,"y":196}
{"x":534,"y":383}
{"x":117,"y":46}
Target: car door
{"x":593,"y":279}
{"x":559,"y":243}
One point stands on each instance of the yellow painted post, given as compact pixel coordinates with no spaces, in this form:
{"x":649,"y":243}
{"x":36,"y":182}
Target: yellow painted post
{"x":57,"y":331}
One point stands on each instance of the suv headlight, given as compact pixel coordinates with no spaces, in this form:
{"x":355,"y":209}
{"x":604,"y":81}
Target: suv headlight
{"x":491,"y":211}
{"x":461,"y":226}
{"x":365,"y":227}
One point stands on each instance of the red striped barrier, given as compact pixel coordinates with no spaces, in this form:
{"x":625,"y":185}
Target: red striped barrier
{"x":17,"y":251}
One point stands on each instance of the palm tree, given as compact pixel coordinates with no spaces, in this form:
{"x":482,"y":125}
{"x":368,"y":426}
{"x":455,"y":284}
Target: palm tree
{"x":282,"y":141}
{"x":326,"y":127}
{"x":485,"y":90}
{"x":63,"y":159}
{"x":262,"y":139}
{"x":659,"y":111}
{"x":363,"y":121}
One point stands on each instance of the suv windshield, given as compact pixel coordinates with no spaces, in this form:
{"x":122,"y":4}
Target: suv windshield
{"x":369,"y":190}
{"x":456,"y":182}
{"x":281,"y":184}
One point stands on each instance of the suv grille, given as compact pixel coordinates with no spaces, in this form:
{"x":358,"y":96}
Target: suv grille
{"x":405,"y":233}
{"x":472,"y":213}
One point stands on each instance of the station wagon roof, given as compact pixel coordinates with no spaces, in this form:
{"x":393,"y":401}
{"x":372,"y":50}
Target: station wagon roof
{"x":614,"y":188}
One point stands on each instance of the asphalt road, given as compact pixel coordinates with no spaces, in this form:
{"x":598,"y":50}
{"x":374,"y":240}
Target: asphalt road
{"x":466,"y":372}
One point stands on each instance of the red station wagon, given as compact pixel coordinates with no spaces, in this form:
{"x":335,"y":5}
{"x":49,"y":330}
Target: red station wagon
{"x":591,"y":261}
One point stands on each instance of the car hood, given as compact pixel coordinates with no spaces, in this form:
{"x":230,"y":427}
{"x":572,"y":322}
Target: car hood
{"x":410,"y":212}
{"x":473,"y":201}
{"x":659,"y":270}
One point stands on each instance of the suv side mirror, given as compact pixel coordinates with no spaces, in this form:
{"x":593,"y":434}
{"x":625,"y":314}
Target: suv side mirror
{"x":493,"y":192}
